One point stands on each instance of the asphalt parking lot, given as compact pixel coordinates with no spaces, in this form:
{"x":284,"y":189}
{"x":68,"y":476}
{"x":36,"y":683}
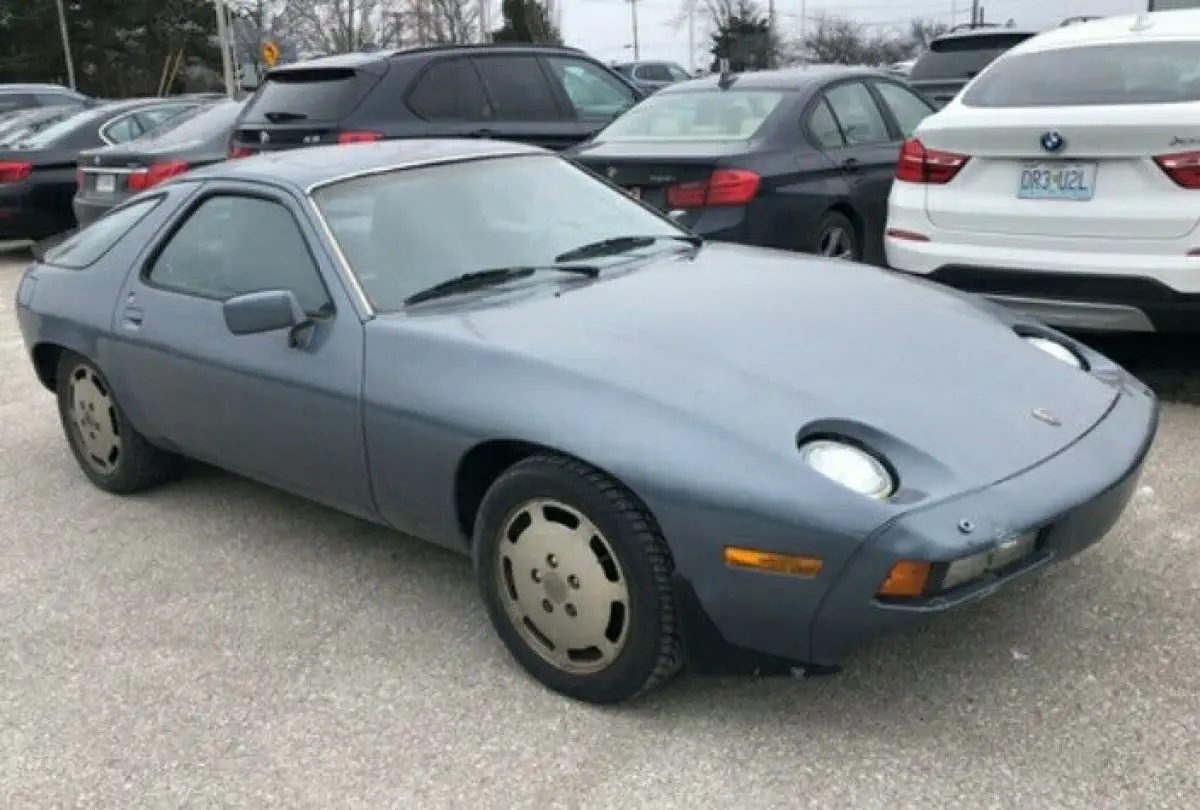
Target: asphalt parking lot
{"x":218,"y":644}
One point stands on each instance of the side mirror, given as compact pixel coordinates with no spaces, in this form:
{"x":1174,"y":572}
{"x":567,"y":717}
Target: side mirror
{"x":266,"y":311}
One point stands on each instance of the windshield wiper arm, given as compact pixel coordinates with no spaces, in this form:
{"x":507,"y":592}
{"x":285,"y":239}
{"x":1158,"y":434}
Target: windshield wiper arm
{"x":623,"y":244}
{"x":480,"y":279}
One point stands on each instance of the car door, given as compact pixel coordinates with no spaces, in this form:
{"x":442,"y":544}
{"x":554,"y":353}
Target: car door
{"x":257,"y":405}
{"x":867,"y":160}
{"x":524,"y":106}
{"x":593,"y":96}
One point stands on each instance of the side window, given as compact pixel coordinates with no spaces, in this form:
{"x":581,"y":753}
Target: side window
{"x":149,"y":119}
{"x":56,"y":99}
{"x":233,"y":244}
{"x":122,"y":129}
{"x":595,"y":93}
{"x":824,"y":127}
{"x":655,"y":73}
{"x":449,"y":90}
{"x":89,"y":244}
{"x":517,"y":88}
{"x":856,"y":111}
{"x":907,"y":108}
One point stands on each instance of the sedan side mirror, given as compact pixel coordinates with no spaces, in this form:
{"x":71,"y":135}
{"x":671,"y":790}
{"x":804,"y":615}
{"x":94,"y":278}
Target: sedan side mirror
{"x":266,"y":311}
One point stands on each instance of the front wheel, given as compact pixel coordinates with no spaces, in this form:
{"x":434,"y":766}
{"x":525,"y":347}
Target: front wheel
{"x":113,"y":455}
{"x":576,"y":581}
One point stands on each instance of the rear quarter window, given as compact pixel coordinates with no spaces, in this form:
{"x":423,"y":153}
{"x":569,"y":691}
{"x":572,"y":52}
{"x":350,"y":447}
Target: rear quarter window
{"x":324,"y":94}
{"x":1112,"y":74}
{"x":87,"y":246}
{"x":963,"y":57}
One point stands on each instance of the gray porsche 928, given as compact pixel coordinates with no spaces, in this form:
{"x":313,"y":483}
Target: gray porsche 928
{"x":658,"y":451}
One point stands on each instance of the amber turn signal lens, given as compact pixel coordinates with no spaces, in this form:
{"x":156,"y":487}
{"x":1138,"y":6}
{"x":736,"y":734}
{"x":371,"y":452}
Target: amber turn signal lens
{"x":775,"y":563}
{"x":907,"y":578}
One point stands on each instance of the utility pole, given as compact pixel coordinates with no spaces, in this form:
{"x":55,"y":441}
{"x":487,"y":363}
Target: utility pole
{"x":770,"y":33}
{"x":692,"y":37}
{"x":226,"y":55}
{"x":633,"y":25}
{"x":66,"y":43}
{"x":974,"y":13}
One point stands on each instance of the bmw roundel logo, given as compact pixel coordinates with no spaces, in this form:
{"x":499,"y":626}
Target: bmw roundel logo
{"x":1053,"y":141}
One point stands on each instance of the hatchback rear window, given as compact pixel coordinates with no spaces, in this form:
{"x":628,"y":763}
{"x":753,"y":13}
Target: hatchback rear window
{"x":716,"y":115}
{"x":293,"y":96}
{"x":963,"y":57}
{"x":1136,"y":73}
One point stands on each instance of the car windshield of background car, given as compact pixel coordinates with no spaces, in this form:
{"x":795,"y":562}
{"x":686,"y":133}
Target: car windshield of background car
{"x":1135,"y":73}
{"x":196,"y":125}
{"x":702,"y":115}
{"x":47,"y":137}
{"x":409,"y":229}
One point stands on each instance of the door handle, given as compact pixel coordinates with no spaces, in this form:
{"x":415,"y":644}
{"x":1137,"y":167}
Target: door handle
{"x":850,"y":165}
{"x":133,"y":315}
{"x":483,"y":133}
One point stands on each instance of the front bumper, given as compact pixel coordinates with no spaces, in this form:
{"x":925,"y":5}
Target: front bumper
{"x":774,"y":625}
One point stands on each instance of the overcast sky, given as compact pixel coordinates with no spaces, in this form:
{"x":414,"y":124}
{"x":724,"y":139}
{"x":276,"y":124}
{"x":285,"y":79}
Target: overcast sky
{"x":603,"y":27}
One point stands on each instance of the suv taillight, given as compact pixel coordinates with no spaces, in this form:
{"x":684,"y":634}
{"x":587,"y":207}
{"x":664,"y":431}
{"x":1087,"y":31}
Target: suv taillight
{"x":1182,"y":167}
{"x":359,"y":136}
{"x":723,"y":187}
{"x":14,"y":172}
{"x":157,"y":173}
{"x":920,"y":165}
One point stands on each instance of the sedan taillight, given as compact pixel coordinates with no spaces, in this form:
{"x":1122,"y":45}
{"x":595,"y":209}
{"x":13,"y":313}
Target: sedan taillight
{"x":723,"y":187}
{"x":158,"y":172}
{"x":1182,"y":167}
{"x":931,"y":166}
{"x":14,"y":172}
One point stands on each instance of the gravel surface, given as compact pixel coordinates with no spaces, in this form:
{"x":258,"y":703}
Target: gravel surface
{"x":219,"y":644}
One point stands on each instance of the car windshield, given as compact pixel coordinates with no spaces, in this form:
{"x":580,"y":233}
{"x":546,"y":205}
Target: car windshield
{"x":50,"y":135}
{"x":1134,"y":73}
{"x":702,"y":115}
{"x":409,"y":229}
{"x":197,"y":124}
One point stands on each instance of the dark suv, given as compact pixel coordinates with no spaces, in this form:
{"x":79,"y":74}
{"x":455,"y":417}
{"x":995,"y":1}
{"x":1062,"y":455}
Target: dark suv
{"x":953,"y":59}
{"x":543,"y":95}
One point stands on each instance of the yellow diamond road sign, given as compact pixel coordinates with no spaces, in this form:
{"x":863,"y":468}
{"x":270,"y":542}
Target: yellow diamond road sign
{"x":270,"y":53}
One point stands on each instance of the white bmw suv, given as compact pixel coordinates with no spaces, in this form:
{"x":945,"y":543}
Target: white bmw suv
{"x":1064,"y":180}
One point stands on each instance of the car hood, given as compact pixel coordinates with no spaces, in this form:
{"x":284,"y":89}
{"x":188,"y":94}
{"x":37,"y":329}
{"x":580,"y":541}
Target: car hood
{"x":762,"y":343}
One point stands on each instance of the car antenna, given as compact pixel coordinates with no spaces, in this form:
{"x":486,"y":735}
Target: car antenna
{"x":727,"y":78}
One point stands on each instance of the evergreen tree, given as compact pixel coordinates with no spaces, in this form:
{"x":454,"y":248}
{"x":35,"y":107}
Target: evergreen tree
{"x":526,"y":21}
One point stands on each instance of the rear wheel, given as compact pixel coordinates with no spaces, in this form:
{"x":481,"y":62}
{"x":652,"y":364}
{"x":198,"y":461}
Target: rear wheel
{"x":576,"y":580}
{"x":113,"y":455}
{"x":836,"y":237}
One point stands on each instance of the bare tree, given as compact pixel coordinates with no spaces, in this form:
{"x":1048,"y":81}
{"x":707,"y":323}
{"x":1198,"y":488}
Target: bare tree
{"x":840,"y":40}
{"x":444,"y":22}
{"x":338,"y":26}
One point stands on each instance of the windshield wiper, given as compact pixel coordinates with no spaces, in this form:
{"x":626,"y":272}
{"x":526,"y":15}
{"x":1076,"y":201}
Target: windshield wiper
{"x":480,"y":279}
{"x":623,"y":244}
{"x":280,"y":117}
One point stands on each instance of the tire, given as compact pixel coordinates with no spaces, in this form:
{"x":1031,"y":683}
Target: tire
{"x":833,"y":229}
{"x":130,"y":464}
{"x":615,"y":548}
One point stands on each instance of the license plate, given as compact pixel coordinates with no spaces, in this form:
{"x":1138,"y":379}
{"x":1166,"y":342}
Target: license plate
{"x":106,"y":183}
{"x":1074,"y":181}
{"x":634,"y":192}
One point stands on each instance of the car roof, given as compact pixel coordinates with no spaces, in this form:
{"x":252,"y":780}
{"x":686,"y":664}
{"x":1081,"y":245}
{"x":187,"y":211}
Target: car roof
{"x":792,"y":78}
{"x":315,"y":165}
{"x":1156,"y":26}
{"x":985,"y":32}
{"x":363,"y":58}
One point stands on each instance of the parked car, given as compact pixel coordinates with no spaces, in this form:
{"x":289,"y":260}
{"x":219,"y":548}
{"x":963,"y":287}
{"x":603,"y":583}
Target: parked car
{"x":1075,"y":199}
{"x":28,"y":96}
{"x":111,"y":174}
{"x":799,"y":159}
{"x":538,"y":94}
{"x":658,"y":451}
{"x":20,"y":124}
{"x":651,"y":76}
{"x":38,"y":173}
{"x":955,"y":58}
